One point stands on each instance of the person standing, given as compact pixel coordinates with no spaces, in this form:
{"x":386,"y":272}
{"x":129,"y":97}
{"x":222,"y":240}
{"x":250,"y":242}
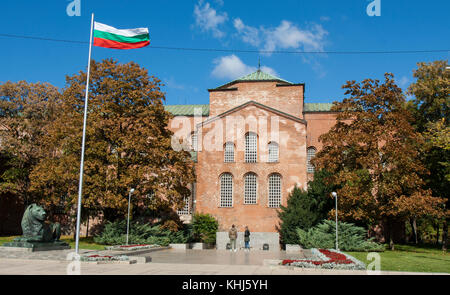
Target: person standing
{"x":247,"y":239}
{"x":232,"y":234}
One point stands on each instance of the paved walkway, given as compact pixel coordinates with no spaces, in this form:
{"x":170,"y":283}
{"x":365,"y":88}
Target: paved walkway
{"x":47,"y":267}
{"x":223,"y":257}
{"x":169,"y":262}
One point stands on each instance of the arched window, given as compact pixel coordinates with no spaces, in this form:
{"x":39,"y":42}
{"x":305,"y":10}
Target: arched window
{"x":250,"y":186}
{"x":273,"y":152}
{"x":186,"y":210}
{"x":229,"y":152}
{"x":226,"y":190}
{"x":194,"y":141}
{"x":274,"y":190}
{"x":251,"y":147}
{"x":310,"y":154}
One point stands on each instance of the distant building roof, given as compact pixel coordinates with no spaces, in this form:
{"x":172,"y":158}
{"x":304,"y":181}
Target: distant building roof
{"x":188,"y":109}
{"x":317,"y":107}
{"x":256,"y":76}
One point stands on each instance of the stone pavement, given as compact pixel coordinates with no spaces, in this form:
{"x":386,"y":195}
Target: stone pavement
{"x":169,"y":262}
{"x":40,"y":255}
{"x":47,"y":267}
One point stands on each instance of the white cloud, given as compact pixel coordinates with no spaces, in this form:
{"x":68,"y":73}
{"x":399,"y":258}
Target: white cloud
{"x":285,"y":36}
{"x":403,"y":82}
{"x":208,"y":19}
{"x":248,"y":34}
{"x":232,"y":67}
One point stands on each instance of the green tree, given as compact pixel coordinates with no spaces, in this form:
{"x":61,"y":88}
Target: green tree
{"x":430,"y":107}
{"x":204,"y":228}
{"x":128,"y":144}
{"x":305,"y":208}
{"x":351,"y":237}
{"x":26,"y":112}
{"x":372,"y":152}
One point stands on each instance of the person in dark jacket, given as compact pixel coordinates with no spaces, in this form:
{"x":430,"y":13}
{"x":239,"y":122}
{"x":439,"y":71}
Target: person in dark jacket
{"x":232,"y":234}
{"x":247,"y":239}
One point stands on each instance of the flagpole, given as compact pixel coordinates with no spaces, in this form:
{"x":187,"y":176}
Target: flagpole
{"x":80,"y":188}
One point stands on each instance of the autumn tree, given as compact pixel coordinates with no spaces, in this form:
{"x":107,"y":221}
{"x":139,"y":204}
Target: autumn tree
{"x":372,"y":155}
{"x":26,"y":110}
{"x":128,"y":144}
{"x":430,"y":107}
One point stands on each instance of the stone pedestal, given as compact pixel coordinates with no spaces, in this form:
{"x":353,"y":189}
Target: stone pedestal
{"x":257,"y":240}
{"x":293,"y":248}
{"x":35,"y":246}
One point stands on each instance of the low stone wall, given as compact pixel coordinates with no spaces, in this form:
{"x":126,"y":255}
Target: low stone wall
{"x":293,"y":248}
{"x":257,"y":240}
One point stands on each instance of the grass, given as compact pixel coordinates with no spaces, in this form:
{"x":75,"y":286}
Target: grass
{"x":85,"y":243}
{"x":422,"y":258}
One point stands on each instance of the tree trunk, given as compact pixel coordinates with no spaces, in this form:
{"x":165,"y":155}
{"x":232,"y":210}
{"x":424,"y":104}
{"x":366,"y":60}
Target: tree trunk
{"x":444,"y":235}
{"x":391,"y":236}
{"x":87,"y":225}
{"x":414,"y":225}
{"x":437,"y":232}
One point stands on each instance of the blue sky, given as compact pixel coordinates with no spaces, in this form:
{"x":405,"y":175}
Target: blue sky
{"x":294,"y":25}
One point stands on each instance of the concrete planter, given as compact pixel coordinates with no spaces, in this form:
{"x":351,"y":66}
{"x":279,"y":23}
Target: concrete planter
{"x":257,"y":240}
{"x":200,"y":246}
{"x":293,"y":248}
{"x":179,"y":246}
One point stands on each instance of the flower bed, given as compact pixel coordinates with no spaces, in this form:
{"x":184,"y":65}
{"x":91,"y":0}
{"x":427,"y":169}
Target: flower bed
{"x":104,"y":258}
{"x":328,"y":259}
{"x":133,"y":247}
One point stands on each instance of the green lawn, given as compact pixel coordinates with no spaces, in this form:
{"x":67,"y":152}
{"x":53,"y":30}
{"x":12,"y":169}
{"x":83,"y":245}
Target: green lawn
{"x":411,"y":258}
{"x":85,"y":243}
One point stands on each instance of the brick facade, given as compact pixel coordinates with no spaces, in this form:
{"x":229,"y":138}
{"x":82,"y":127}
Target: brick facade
{"x":274,"y":110}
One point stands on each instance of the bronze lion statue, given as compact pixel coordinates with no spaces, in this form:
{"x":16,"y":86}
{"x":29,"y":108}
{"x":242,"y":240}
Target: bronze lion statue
{"x":34,"y":227}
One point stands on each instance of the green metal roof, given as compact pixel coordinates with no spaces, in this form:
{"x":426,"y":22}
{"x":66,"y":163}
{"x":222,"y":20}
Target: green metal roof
{"x":256,"y":76}
{"x":317,"y":107}
{"x":194,"y":156}
{"x":187,"y":109}
{"x":260,"y":76}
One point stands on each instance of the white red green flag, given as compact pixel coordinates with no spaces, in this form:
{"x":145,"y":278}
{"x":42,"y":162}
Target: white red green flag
{"x":110,"y":37}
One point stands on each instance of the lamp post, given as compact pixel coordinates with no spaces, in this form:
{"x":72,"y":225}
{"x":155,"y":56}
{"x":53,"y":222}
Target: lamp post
{"x":334,"y":194}
{"x":128,"y":219}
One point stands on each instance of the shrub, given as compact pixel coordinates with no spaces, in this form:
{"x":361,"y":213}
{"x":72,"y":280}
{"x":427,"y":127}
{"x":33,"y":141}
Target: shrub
{"x":305,"y":209}
{"x":350,"y":237}
{"x":297,"y":214}
{"x":204,"y":228}
{"x":114,"y":233}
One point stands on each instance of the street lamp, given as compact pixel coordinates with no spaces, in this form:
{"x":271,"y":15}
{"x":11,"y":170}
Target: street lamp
{"x":334,"y":194}
{"x":128,"y":219}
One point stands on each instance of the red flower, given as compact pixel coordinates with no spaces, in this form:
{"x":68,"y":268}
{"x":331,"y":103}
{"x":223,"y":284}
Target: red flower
{"x":334,"y":257}
{"x":127,"y":246}
{"x":95,"y":256}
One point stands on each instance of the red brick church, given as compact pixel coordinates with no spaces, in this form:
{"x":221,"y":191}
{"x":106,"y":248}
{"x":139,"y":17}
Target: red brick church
{"x":252,"y":144}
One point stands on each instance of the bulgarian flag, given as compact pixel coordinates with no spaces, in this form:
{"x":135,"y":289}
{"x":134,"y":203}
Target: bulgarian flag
{"x":109,"y":37}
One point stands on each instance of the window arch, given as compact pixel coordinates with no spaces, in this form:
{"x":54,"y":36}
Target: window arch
{"x":186,"y":210}
{"x":273,"y":152}
{"x":310,"y":154}
{"x":229,"y":152}
{"x":194,"y":141}
{"x":226,"y":190}
{"x":251,"y":147}
{"x":250,"y":188}
{"x":274,"y":190}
